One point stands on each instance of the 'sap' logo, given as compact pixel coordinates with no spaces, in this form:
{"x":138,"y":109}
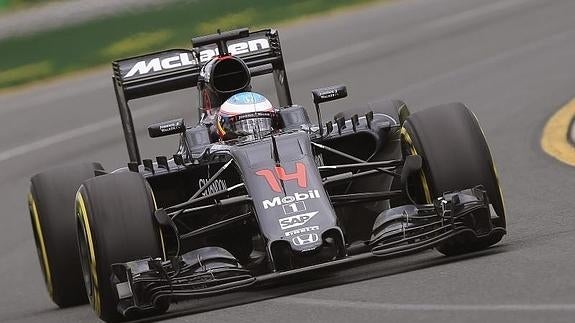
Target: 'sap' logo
{"x":296,"y":220}
{"x":270,"y":176}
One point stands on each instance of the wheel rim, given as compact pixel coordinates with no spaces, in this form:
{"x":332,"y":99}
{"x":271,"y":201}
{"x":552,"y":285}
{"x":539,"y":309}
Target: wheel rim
{"x":164,"y":250}
{"x":425,"y":185}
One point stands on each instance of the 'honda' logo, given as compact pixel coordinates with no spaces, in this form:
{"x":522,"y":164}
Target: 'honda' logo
{"x":299,"y":175}
{"x":305,"y":239}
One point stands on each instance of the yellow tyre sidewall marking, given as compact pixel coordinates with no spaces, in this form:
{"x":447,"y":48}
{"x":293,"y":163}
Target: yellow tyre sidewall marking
{"x":159,"y":228}
{"x":498,"y":184}
{"x":495,"y":173}
{"x":82,"y":214}
{"x":424,"y":183}
{"x":43,"y":253}
{"x":554,"y":140}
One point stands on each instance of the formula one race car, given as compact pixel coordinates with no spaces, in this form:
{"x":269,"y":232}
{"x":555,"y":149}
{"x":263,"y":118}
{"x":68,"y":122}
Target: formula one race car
{"x":256,"y":191}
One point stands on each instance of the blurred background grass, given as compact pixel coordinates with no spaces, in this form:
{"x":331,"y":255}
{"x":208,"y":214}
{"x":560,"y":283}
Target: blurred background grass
{"x":17,"y":4}
{"x":56,"y":52}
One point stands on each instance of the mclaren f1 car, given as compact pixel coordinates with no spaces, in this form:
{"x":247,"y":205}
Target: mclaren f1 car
{"x":256,"y":191}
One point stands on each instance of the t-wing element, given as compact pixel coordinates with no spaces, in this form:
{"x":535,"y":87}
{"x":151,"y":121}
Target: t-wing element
{"x":324,"y":95}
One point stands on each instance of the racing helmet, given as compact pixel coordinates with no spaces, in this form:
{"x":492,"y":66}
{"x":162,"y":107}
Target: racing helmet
{"x":219,"y":79}
{"x":246,"y":114}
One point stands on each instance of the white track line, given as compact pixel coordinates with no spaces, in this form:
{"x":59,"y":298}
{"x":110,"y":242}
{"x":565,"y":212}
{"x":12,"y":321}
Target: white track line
{"x":78,"y":132}
{"x":293,"y":300}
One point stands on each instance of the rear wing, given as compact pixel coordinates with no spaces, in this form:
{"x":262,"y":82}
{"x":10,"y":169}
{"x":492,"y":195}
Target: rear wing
{"x":177,"y":69}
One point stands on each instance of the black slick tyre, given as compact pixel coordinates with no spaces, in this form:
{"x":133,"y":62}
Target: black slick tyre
{"x":51,"y":206}
{"x":455,"y":156}
{"x":116,"y":224}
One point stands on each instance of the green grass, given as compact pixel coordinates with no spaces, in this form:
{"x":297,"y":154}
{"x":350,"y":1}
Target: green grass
{"x":6,"y":5}
{"x":58,"y":52}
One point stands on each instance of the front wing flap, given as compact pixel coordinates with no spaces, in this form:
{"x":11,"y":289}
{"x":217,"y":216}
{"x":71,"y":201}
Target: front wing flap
{"x":144,"y":284}
{"x":412,"y":228}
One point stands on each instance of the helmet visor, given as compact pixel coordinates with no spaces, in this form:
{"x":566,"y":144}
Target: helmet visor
{"x":253,"y":126}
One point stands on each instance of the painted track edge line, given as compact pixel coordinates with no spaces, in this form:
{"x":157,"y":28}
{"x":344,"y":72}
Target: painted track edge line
{"x":77,"y":132}
{"x":330,"y":303}
{"x":555,"y":137}
{"x":571,"y":136}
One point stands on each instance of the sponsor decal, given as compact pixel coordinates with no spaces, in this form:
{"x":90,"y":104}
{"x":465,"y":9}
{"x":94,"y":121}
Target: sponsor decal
{"x":304,"y":239}
{"x":299,"y":175}
{"x":216,"y":186}
{"x":185,"y":59}
{"x":302,"y":230}
{"x":328,"y":93}
{"x":168,"y":127}
{"x":289,"y":199}
{"x":159,"y":64}
{"x":252,"y":45}
{"x":296,"y":220}
{"x":294,"y":207}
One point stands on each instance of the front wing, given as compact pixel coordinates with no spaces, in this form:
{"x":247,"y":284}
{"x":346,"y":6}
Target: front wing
{"x":144,"y":284}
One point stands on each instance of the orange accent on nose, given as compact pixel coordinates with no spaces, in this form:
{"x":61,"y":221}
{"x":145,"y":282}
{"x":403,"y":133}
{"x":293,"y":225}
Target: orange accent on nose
{"x":299,"y":175}
{"x":270,"y":178}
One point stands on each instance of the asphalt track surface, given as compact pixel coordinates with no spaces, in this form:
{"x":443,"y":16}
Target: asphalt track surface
{"x":511,"y":61}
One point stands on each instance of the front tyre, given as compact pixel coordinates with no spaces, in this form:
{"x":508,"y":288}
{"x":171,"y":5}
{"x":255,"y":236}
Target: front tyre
{"x":51,"y":206}
{"x":455,"y":157}
{"x":115,"y":218}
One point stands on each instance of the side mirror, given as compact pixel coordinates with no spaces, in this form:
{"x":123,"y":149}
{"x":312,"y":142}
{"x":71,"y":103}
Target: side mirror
{"x":167,"y":128}
{"x":327,"y":94}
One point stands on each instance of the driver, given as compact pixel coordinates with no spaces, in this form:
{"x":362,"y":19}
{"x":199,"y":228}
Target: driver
{"x":248,"y":115}
{"x":227,"y":106}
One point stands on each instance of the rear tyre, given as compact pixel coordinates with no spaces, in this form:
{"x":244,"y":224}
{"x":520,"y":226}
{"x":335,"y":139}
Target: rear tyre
{"x":51,"y":206}
{"x":116,"y":224}
{"x":455,"y":156}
